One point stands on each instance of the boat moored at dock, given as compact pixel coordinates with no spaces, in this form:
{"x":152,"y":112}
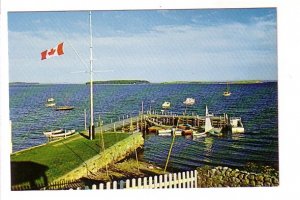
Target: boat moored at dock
{"x":165,"y":132}
{"x":236,"y":125}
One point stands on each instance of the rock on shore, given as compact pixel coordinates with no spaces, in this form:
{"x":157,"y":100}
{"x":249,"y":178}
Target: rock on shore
{"x":227,"y":177}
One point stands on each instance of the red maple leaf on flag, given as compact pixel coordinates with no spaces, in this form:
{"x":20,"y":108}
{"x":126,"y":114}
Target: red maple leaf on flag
{"x":51,"y":52}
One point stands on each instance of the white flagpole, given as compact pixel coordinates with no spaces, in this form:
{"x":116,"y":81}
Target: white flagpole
{"x":91,"y":134}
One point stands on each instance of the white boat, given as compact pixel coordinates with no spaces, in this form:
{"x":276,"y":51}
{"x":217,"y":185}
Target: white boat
{"x":208,"y":128}
{"x":50,"y":104}
{"x":227,"y":92}
{"x":60,"y":134}
{"x":189,"y":101}
{"x":178,"y":132}
{"x":236,"y":125}
{"x":65,"y":134}
{"x":50,"y":100}
{"x":48,"y":133}
{"x":166,"y":105}
{"x":165,"y":132}
{"x":198,"y":134}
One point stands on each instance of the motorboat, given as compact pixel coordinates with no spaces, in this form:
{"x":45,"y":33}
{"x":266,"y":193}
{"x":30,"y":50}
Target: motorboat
{"x":50,"y":102}
{"x":166,"y":105}
{"x":189,"y":101}
{"x":236,"y":125}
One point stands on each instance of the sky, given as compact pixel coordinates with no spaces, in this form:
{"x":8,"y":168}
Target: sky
{"x":153,"y":45}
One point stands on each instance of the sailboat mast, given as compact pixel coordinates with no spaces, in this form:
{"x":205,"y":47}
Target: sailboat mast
{"x":91,"y":133}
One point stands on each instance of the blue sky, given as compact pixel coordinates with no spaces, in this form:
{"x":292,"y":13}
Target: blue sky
{"x":153,"y":45}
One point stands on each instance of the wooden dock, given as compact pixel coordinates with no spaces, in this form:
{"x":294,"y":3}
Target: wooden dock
{"x":143,"y":122}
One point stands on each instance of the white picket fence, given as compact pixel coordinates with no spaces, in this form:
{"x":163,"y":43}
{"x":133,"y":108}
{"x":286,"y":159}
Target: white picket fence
{"x":173,"y":180}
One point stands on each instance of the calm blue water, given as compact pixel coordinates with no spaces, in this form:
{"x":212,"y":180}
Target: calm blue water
{"x":255,"y":103}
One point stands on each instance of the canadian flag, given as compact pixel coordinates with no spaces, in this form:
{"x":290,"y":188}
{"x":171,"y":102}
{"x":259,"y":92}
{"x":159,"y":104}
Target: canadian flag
{"x":56,"y":51}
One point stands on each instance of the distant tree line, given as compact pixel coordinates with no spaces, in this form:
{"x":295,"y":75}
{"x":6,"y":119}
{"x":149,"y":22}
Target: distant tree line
{"x":121,"y":82}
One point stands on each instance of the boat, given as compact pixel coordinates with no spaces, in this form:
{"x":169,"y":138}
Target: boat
{"x":189,"y":101}
{"x":48,"y":133}
{"x":187,"y":132}
{"x":63,"y":108}
{"x":61,"y":134}
{"x":227,"y":92}
{"x":166,"y":105}
{"x":236,"y":125}
{"x":165,"y":132}
{"x":208,"y":128}
{"x":178,"y":132}
{"x":50,"y":102}
{"x":198,"y":134}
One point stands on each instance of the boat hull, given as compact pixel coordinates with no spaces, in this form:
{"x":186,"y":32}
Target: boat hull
{"x":50,"y":104}
{"x":226,"y":94}
{"x":164,"y":132}
{"x":237,"y":130}
{"x":63,"y":108}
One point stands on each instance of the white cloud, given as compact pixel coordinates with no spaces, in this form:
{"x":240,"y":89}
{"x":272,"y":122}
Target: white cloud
{"x":164,"y":53}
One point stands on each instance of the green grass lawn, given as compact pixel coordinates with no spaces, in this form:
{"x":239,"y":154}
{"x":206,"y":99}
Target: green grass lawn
{"x":57,"y":158}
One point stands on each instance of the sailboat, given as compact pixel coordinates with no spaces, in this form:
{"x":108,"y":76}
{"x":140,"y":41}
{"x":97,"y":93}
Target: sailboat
{"x":227,"y":92}
{"x":208,"y":128}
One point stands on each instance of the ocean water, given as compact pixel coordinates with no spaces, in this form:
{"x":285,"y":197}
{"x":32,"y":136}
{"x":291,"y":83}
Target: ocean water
{"x":256,"y":104}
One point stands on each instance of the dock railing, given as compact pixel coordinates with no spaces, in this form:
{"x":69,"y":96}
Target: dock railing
{"x":186,"y":179}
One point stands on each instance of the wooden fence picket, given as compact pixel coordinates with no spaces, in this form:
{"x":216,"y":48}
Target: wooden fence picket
{"x":188,"y":179}
{"x":175,"y":185}
{"x":192,"y":179}
{"x":122,"y":183}
{"x":133,"y":183}
{"x":171,"y":181}
{"x":127,"y":184}
{"x":183,"y":179}
{"x":101,"y":186}
{"x":108,"y":185}
{"x":196,"y":180}
{"x":150,"y":182}
{"x":160,"y":181}
{"x":179,"y":180}
{"x":156,"y":185}
{"x":139,"y":183}
{"x":115,"y":186}
{"x":145,"y":183}
{"x":166,"y":181}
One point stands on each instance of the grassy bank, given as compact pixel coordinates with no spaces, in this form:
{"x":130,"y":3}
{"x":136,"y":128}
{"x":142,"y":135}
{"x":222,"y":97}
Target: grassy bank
{"x":39,"y":166}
